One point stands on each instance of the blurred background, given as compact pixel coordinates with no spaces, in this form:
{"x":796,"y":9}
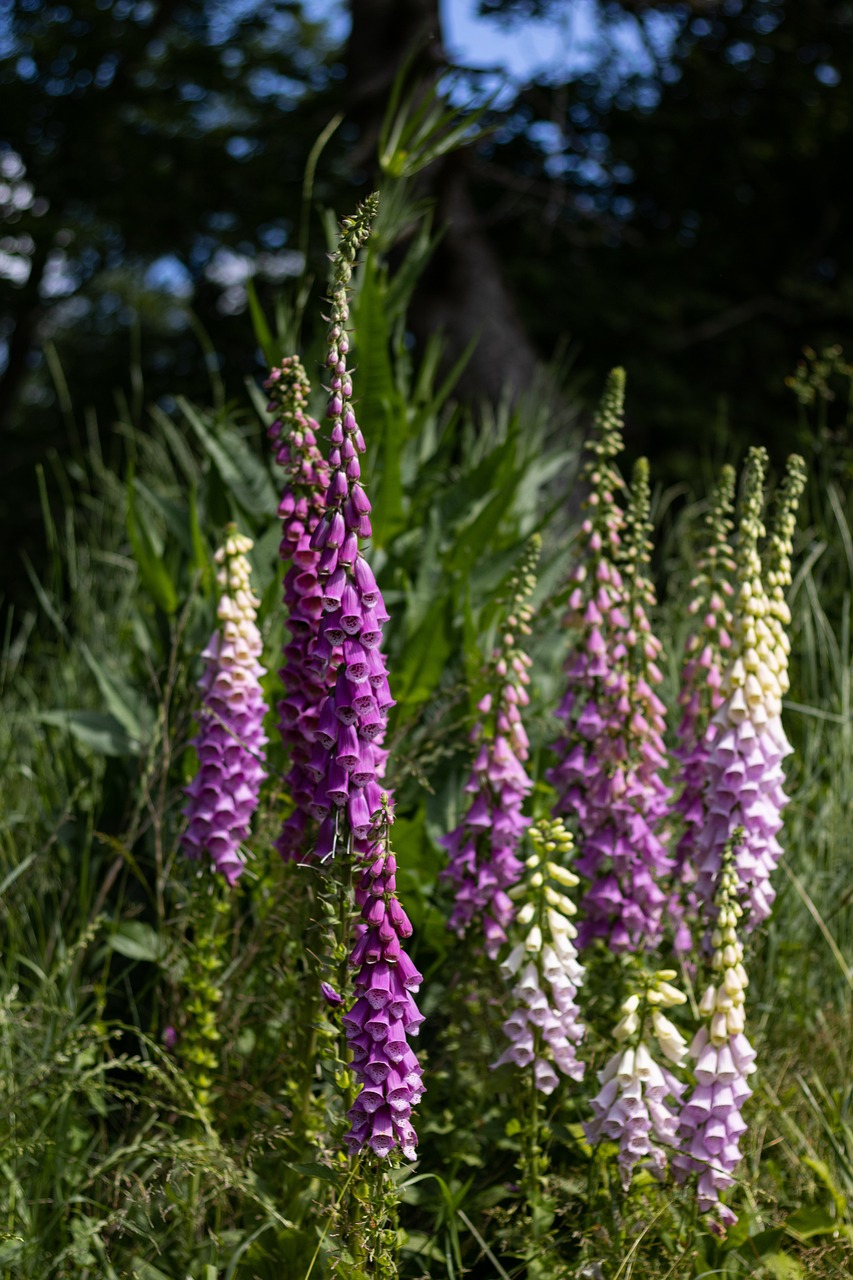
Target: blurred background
{"x":659,"y":185}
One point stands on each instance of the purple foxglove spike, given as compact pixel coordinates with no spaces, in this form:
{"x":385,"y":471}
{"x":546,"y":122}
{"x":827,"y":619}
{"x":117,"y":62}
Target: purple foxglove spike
{"x":612,"y":751}
{"x":700,"y":697}
{"x":385,"y":975}
{"x":231,"y":741}
{"x":302,"y":505}
{"x":711,"y":1124}
{"x":481,"y":864}
{"x":545,"y":965}
{"x":743,"y":771}
{"x":347,"y":729}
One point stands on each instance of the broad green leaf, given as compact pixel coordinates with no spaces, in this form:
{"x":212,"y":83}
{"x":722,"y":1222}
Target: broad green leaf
{"x":823,"y":1171}
{"x":783,"y":1267}
{"x":142,"y":1270}
{"x":310,"y":1169}
{"x":419,"y":1243}
{"x":137,"y":941}
{"x":173,"y":513}
{"x":96,"y":730}
{"x":155,"y":577}
{"x":241,"y":471}
{"x":811,"y":1220}
{"x":739,"y":1237}
{"x":425,"y":656}
{"x":381,"y":408}
{"x":121,"y":698}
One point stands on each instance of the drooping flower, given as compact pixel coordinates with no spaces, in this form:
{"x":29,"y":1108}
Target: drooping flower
{"x":711,"y":1124}
{"x":637,"y":1105}
{"x":347,"y":762}
{"x":384,"y":1014}
{"x":483,"y":849}
{"x":302,"y":504}
{"x":611,"y":756}
{"x":545,"y":1026}
{"x":745,"y":779}
{"x":230,"y":741}
{"x":700,"y":694}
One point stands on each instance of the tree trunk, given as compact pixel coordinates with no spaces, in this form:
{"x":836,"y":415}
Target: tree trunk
{"x":463,"y":291}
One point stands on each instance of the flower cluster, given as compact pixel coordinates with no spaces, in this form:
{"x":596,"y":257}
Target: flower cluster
{"x":638,"y":1100}
{"x":385,"y":1012}
{"x":711,"y":1124}
{"x":612,"y":753}
{"x":348,"y":760}
{"x":294,"y":435}
{"x":483,"y":848}
{"x":700,"y":693}
{"x":230,"y":741}
{"x":744,"y":778}
{"x":545,"y":1027}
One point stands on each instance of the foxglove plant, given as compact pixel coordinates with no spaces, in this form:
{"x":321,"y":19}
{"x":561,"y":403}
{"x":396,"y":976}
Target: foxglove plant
{"x":483,"y":849}
{"x":637,"y":1105}
{"x":545,"y":1026}
{"x":230,"y":742}
{"x":384,"y":1013}
{"x":777,"y":560}
{"x":347,"y":762}
{"x":700,"y":694}
{"x":745,"y":779}
{"x":711,"y":1124}
{"x":294,"y":435}
{"x":612,"y":754}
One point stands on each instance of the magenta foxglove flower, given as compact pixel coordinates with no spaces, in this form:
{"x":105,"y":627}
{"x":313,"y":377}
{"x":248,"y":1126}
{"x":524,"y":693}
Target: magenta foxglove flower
{"x":348,"y":760}
{"x":700,"y":696}
{"x":302,"y":504}
{"x":230,"y":741}
{"x":483,"y":861}
{"x":611,"y":756}
{"x":711,"y":1124}
{"x":745,"y":778}
{"x":384,"y":1015}
{"x":545,"y":1026}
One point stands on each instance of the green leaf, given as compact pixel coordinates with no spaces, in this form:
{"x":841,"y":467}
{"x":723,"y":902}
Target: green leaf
{"x":241,"y":471}
{"x":425,"y":656}
{"x":311,"y":1169}
{"x":263,"y":333}
{"x":200,"y":554}
{"x":823,"y":1171}
{"x":381,"y":406}
{"x":142,"y":1270}
{"x":96,"y":730}
{"x":811,"y":1220}
{"x":423,"y":1245}
{"x":783,"y":1267}
{"x":756,"y":1245}
{"x":119,"y":697}
{"x":152,"y":570}
{"x":137,"y":941}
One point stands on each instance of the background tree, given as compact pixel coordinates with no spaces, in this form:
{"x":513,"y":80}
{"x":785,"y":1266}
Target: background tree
{"x":679,"y":205}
